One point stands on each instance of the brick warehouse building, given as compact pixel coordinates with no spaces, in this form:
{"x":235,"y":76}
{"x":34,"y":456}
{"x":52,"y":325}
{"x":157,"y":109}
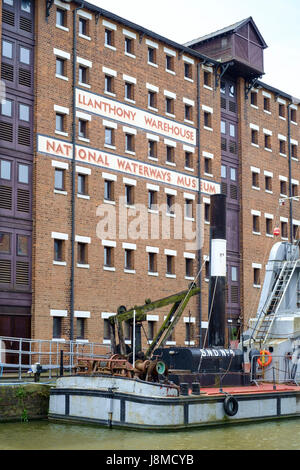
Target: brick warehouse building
{"x":109,"y":118}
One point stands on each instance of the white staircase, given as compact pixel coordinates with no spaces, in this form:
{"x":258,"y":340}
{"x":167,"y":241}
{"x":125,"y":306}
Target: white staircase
{"x":268,"y":314}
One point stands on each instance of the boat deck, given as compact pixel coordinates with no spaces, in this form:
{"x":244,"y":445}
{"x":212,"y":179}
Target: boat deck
{"x":251,"y":389}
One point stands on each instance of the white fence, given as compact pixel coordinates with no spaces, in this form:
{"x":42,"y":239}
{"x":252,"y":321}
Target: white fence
{"x":18,"y":355}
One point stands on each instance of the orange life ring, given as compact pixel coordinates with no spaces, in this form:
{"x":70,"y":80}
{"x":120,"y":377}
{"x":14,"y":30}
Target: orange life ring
{"x":262,"y":358}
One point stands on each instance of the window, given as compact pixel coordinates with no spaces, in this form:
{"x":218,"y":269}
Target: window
{"x":7,"y":108}
{"x":59,"y":178}
{"x":188,"y":71}
{"x":150,"y":335}
{"x":169,"y":105}
{"x":207,"y":269}
{"x":23,"y":174}
{"x":294,"y":149}
{"x":109,"y":84}
{"x":106,"y":330}
{"x":268,"y":183}
{"x":223,"y":171}
{"x":59,"y":122}
{"x":129,"y":46}
{"x":109,"y":136}
{"x":129,"y":142}
{"x":129,"y":91}
{"x":152,"y":149}
{"x":152,"y":262}
{"x":207,"y":212}
{"x":108,"y":190}
{"x":188,"y":112}
{"x":7,"y":49}
{"x":232,"y":91}
{"x":57,"y":327}
{"x":82,"y":253}
{"x":267,"y":104}
{"x":26,"y":6}
{"x":58,"y":250}
{"x":296,"y":236}
{"x":83,"y":27}
{"x":170,"y":63}
{"x":109,"y":37}
{"x":189,"y":267}
{"x":5,"y":243}
{"x":152,"y":99}
{"x":170,"y":154}
{"x":281,"y":110}
{"x":268,"y":142}
{"x":80,"y":327}
{"x":129,"y":195}
{"x":83,"y":74}
{"x":152,"y":200}
{"x":283,"y":188}
{"x":207,"y":166}
{"x":82,"y":184}
{"x":284,"y":230}
{"x":282,"y":147}
{"x":127,"y":330}
{"x":253,"y":98}
{"x":170,"y":204}
{"x":22,"y":245}
{"x":256,"y":227}
{"x":60,"y":66}
{"x":82,"y":129}
{"x":129,"y":260}
{"x":293,"y":115}
{"x":255,"y":179}
{"x":108,"y":257}
{"x":269,"y":226}
{"x":61,"y":17}
{"x":254,"y":136}
{"x":24,"y":112}
{"x":170,"y":265}
{"x":207,"y":120}
{"x":188,"y":160}
{"x":151,"y":55}
{"x":5,"y":170}
{"x":207,"y":78}
{"x":295,"y":191}
{"x":188,"y":206}
{"x":256,"y":276}
{"x":25,"y":55}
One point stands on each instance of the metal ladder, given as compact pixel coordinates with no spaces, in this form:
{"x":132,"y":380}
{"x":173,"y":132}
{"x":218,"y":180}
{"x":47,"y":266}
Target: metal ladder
{"x":267,"y":316}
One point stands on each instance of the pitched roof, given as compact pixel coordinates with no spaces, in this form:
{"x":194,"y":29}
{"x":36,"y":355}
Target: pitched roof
{"x":228,"y":29}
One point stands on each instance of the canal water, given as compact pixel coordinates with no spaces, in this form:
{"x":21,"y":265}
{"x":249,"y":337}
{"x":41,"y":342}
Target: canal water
{"x":43,"y":435}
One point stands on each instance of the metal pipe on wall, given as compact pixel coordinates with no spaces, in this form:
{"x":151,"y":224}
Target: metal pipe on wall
{"x":73,"y":205}
{"x":199,"y":202}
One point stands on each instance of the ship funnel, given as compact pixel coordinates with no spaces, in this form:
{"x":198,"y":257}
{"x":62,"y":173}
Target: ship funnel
{"x":217,"y":284}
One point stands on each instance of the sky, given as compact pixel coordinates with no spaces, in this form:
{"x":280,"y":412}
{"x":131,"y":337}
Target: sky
{"x":277,"y":20}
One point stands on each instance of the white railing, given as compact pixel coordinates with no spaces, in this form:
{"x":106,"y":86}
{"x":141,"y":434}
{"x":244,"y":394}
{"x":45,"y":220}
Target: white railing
{"x":18,"y":355}
{"x":282,"y":369}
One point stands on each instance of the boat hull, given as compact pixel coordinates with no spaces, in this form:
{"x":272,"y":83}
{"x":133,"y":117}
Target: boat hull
{"x":79,"y":400}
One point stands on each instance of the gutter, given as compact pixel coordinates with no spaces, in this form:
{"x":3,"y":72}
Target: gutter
{"x":290,"y":170}
{"x":199,"y":208}
{"x":73,"y":200}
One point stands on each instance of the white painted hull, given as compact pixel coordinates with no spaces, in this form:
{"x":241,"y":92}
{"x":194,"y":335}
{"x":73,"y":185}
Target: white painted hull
{"x":80,"y":399}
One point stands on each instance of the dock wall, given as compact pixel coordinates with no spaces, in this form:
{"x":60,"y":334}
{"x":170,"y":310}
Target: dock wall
{"x":24,"y":402}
